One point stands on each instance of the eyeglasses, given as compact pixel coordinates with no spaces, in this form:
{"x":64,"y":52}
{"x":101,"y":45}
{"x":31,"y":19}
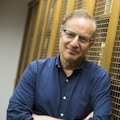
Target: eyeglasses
{"x":72,"y":35}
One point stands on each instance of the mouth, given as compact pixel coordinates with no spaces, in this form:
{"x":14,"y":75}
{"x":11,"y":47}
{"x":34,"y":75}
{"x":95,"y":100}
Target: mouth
{"x":72,"y":51}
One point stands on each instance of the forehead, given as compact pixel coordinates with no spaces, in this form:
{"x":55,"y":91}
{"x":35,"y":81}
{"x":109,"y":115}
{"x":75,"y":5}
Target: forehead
{"x":80,"y":25}
{"x":79,"y":21}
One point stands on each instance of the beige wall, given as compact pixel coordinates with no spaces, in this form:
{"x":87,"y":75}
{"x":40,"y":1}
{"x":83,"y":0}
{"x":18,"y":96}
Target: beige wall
{"x":13,"y":15}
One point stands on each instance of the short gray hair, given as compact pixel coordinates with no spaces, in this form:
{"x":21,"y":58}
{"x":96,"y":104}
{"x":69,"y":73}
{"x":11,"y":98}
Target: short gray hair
{"x":80,"y":13}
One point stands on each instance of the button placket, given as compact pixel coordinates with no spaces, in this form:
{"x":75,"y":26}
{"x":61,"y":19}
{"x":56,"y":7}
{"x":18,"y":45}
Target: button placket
{"x":64,"y":101}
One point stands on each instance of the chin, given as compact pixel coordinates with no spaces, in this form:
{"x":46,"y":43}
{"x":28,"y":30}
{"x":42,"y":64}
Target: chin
{"x":71,"y":58}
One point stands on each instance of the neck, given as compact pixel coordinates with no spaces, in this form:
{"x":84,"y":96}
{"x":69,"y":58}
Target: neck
{"x":69,"y":66}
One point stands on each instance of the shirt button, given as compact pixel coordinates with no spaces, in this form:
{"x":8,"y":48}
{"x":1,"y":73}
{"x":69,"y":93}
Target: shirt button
{"x":61,"y":114}
{"x":58,"y":66}
{"x":67,"y":80}
{"x":64,"y":97}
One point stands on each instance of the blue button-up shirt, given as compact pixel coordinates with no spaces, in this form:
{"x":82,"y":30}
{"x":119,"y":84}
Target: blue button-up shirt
{"x":44,"y":89}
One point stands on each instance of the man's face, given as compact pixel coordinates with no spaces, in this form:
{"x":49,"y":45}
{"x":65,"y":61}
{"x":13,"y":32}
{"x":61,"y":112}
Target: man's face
{"x":72,"y":47}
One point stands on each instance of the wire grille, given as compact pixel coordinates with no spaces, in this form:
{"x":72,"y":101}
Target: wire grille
{"x":102,"y":20}
{"x":40,"y":30}
{"x":115,"y":76}
{"x":80,"y":4}
{"x":62,"y":14}
{"x":48,"y":29}
{"x":103,"y":7}
{"x":96,"y":52}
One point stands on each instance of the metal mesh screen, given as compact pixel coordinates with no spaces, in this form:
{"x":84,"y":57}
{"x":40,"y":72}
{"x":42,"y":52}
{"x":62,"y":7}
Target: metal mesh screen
{"x":115,"y":76}
{"x":40,"y":31}
{"x":62,"y":14}
{"x":102,"y":19}
{"x":80,"y":4}
{"x":103,"y":7}
{"x":48,"y":29}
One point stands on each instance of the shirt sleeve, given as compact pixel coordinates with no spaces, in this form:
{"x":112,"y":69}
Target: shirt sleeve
{"x":101,"y":97}
{"x":21,"y":103}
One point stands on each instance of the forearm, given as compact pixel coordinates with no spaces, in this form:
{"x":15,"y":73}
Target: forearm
{"x":89,"y":116}
{"x":44,"y":117}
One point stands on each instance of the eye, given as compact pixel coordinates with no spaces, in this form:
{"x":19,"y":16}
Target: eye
{"x":70,"y":34}
{"x":83,"y":39}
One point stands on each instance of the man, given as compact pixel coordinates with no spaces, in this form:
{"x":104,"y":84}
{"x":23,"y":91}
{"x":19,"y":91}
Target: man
{"x":66,"y":86}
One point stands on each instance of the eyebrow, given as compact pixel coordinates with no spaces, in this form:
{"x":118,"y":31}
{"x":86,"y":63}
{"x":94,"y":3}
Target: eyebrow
{"x":77,"y":34}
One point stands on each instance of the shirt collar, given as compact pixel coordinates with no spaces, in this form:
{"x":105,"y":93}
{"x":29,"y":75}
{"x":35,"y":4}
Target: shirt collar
{"x":57,"y":62}
{"x":80,"y":67}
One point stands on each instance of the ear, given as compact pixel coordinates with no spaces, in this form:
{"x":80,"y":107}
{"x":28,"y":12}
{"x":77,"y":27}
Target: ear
{"x":91,"y":43}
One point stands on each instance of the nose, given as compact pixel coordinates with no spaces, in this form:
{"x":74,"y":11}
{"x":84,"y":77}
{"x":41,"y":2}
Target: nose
{"x":75,"y":41}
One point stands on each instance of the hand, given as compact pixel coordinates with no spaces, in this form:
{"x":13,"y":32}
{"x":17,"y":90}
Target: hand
{"x":43,"y":117}
{"x":89,"y":116}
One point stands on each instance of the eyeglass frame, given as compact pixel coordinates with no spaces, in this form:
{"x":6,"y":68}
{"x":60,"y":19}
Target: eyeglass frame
{"x":81,"y":38}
